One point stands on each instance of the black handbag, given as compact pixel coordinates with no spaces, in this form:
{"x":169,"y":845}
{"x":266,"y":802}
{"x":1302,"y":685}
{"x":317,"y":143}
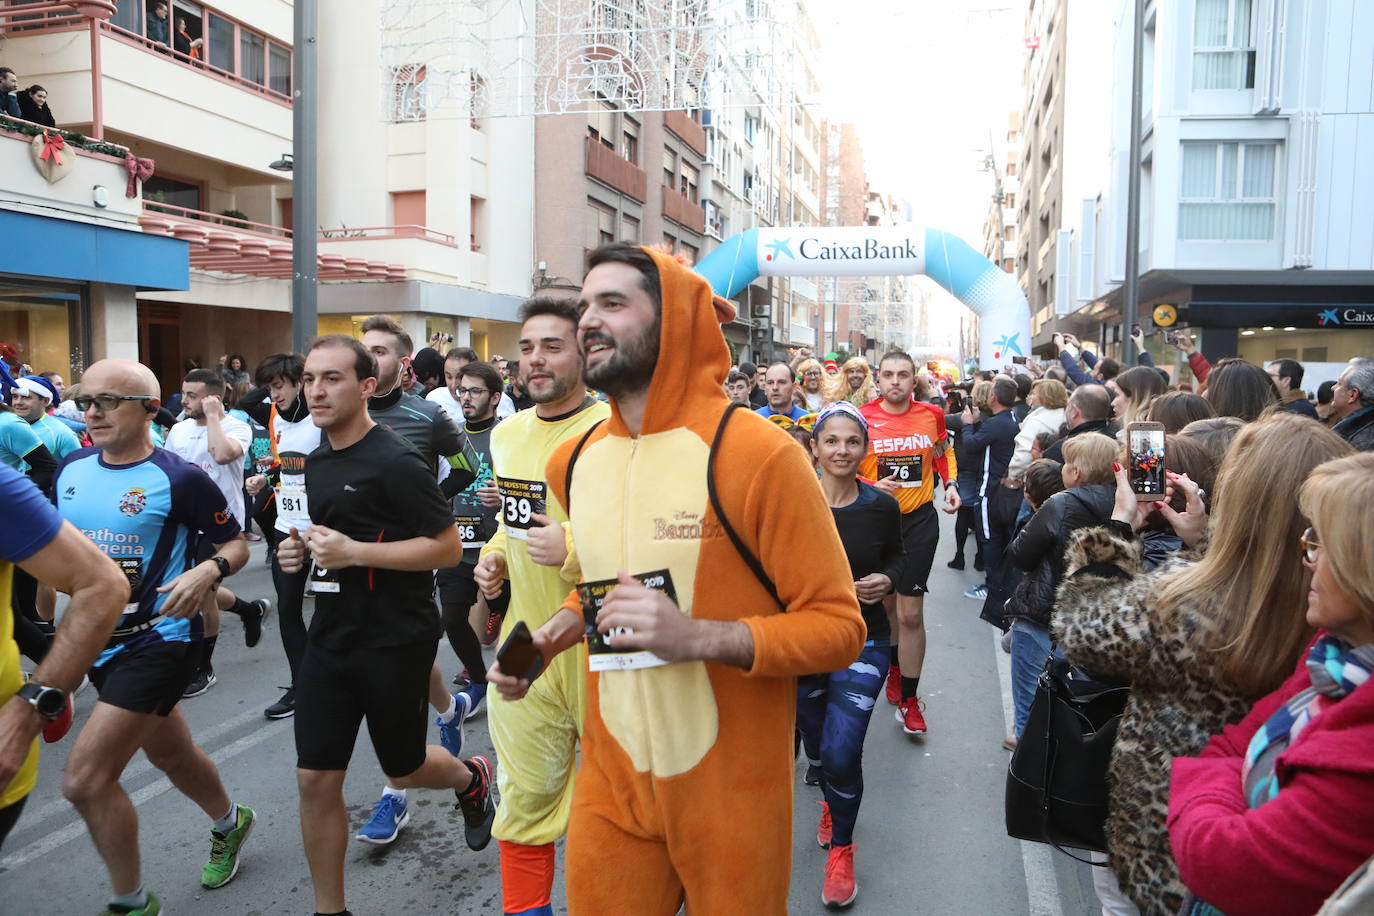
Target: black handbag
{"x":1057,"y":779}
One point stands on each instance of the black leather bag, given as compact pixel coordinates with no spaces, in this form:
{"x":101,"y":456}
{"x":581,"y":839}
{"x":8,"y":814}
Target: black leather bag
{"x":1057,"y":780}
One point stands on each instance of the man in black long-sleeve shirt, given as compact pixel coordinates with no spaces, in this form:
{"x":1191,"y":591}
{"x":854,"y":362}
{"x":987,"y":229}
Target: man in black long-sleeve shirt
{"x":992,"y":445}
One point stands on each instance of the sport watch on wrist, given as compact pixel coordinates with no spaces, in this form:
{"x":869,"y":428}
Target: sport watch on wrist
{"x":223,"y":566}
{"x":48,"y":701}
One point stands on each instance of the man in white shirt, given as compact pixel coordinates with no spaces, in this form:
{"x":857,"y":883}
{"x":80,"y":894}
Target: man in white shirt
{"x":215,"y":443}
{"x":444,"y":395}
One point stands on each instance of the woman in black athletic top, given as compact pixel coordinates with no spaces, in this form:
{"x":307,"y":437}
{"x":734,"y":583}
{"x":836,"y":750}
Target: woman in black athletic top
{"x":833,"y":709}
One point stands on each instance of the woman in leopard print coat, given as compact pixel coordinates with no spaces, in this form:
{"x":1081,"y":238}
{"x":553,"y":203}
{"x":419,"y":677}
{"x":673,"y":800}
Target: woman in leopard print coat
{"x":1200,"y":638}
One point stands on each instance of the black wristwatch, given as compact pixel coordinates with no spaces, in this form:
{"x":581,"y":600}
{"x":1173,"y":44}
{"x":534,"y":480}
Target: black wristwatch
{"x":48,"y":701}
{"x":223,"y":566}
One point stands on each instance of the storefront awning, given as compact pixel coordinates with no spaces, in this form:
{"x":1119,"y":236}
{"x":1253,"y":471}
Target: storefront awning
{"x":42,"y":246}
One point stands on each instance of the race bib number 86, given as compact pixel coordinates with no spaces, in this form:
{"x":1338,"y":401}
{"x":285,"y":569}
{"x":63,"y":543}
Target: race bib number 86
{"x":521,"y":500}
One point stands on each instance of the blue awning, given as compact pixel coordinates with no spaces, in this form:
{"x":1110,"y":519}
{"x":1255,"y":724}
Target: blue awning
{"x":41,"y":246}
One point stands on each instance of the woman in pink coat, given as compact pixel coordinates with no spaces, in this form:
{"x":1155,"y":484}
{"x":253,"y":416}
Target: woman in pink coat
{"x":1279,"y":809}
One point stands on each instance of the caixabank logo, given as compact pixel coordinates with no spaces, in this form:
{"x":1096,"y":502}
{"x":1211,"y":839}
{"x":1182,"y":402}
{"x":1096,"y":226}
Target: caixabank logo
{"x":1349,"y":317}
{"x":811,"y":248}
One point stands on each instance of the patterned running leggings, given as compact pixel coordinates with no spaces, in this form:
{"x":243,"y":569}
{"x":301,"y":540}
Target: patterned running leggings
{"x":832,"y":715}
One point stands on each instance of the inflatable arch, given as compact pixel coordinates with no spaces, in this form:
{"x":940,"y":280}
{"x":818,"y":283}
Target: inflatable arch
{"x":868,"y":251}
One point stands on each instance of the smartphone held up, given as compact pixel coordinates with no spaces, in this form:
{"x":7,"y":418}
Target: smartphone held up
{"x":1145,"y":460}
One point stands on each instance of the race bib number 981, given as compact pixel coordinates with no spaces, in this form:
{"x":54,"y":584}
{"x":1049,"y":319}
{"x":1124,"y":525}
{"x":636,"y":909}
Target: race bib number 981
{"x":521,"y":500}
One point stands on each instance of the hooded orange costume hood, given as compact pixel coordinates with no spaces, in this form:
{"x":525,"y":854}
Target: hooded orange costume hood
{"x":657,"y":740}
{"x":693,"y":359}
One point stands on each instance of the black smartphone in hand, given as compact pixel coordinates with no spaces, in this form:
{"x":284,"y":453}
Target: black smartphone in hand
{"x":518,"y":656}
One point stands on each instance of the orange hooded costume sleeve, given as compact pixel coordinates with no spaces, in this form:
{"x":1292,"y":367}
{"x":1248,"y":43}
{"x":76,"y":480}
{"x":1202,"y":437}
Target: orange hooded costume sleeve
{"x":687,"y":769}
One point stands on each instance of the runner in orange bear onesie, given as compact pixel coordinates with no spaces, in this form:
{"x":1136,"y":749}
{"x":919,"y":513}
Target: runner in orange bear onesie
{"x":685,"y":786}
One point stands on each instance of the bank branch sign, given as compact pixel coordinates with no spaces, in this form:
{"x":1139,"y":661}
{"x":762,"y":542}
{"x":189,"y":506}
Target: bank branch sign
{"x":882,"y":251}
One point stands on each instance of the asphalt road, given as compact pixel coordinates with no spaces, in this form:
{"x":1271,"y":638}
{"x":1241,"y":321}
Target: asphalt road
{"x":929,"y":838}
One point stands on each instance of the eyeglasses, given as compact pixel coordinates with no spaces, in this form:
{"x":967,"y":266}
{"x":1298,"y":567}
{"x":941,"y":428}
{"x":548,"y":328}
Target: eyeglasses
{"x":812,"y":372}
{"x":472,"y":392}
{"x":108,"y":401}
{"x":1310,"y":546}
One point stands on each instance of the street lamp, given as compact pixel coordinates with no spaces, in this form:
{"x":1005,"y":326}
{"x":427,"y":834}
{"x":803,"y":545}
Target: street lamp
{"x":284,"y":164}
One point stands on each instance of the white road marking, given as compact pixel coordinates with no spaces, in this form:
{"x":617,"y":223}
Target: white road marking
{"x":135,"y":770}
{"x":61,"y":837}
{"x":1037,"y":859}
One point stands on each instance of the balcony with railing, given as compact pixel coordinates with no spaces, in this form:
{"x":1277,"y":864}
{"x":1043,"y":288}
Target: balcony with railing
{"x":230,"y":244}
{"x":72,"y":178}
{"x":609,"y":167}
{"x":680,"y":209}
{"x":211,"y":85}
{"x":686,"y":130}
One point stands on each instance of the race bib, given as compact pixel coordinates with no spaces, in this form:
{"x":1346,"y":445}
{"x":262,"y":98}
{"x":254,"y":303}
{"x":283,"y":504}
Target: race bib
{"x":521,"y":500}
{"x":906,"y":469}
{"x":600,"y":655}
{"x":292,"y":502}
{"x":469,"y":530}
{"x":132,"y":568}
{"x":322,"y":581}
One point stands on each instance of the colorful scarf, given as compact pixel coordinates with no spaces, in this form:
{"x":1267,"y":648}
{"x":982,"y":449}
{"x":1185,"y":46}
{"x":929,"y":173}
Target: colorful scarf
{"x":1336,"y":670}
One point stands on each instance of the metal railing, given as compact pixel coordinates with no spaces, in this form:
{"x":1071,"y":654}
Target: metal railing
{"x":196,"y":63}
{"x":235,"y":223}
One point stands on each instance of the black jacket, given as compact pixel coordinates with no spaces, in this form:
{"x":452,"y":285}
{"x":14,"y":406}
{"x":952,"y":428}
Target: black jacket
{"x":1358,"y":429}
{"x":29,"y":111}
{"x":9,"y":105}
{"x":1056,"y":451}
{"x":1039,"y":549}
{"x":990,"y":445}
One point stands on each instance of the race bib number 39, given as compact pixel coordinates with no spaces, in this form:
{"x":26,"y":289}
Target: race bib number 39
{"x":905,"y":469}
{"x":521,"y":500}
{"x":600,"y":655}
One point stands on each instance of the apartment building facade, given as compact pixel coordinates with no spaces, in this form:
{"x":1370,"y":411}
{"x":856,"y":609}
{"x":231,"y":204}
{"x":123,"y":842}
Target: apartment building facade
{"x":428,"y":220}
{"x":1063,"y":152}
{"x":1254,"y":196}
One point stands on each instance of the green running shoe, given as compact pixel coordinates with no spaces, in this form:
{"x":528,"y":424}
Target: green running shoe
{"x":152,"y":908}
{"x":224,"y":851}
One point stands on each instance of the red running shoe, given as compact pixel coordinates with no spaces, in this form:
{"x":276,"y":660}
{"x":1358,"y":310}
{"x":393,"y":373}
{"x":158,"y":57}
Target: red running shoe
{"x":57,"y":728}
{"x":909,"y":714}
{"x":894,"y":684}
{"x":824,"y":830}
{"x":840,"y":888}
{"x":493,"y":629}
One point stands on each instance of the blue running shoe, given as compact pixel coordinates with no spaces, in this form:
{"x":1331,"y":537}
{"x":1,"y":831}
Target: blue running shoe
{"x":451,"y":735}
{"x":977,"y":593}
{"x":389,"y":815}
{"x":475,"y":693}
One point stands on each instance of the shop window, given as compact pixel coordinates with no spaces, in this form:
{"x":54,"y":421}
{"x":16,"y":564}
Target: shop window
{"x":1228,"y":191}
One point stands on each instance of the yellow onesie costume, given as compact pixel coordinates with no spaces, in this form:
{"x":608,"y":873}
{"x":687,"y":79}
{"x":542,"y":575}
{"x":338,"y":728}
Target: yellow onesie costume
{"x":685,"y":786}
{"x":536,"y":738}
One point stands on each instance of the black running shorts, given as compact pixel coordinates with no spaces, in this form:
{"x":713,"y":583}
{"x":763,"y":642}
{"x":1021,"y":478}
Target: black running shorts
{"x":457,"y":588}
{"x":148,"y":679}
{"x":920,"y":537}
{"x":336,"y":689}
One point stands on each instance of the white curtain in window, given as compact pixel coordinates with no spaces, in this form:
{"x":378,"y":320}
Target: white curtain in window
{"x":1223,"y":45}
{"x":1237,"y":205}
{"x":1199,"y":170}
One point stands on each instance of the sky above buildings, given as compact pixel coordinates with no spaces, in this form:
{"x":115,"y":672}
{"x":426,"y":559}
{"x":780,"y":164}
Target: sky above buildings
{"x":929,"y":84}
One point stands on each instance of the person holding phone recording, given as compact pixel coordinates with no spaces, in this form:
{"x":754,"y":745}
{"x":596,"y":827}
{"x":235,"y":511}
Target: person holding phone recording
{"x":379,"y":527}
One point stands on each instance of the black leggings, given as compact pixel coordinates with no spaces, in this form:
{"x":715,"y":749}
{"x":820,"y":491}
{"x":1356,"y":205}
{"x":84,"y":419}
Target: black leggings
{"x":290,"y":612}
{"x":963,"y":524}
{"x":464,"y":641}
{"x":32,"y":641}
